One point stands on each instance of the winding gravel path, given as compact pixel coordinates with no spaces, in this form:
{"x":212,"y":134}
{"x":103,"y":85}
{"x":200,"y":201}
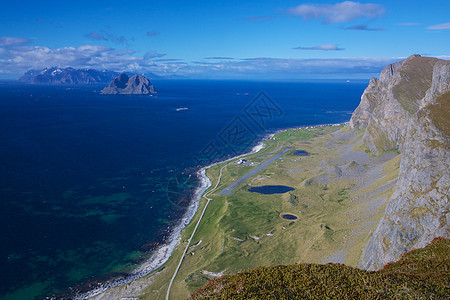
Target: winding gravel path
{"x":195,"y":229}
{"x":226,"y":191}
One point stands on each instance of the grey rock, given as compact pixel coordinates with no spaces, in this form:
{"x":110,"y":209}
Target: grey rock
{"x":135,"y":85}
{"x":397,"y":112}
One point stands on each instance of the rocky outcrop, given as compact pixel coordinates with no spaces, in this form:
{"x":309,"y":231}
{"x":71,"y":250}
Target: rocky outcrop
{"x":67,"y":76}
{"x":136,"y":85}
{"x":408,"y":109}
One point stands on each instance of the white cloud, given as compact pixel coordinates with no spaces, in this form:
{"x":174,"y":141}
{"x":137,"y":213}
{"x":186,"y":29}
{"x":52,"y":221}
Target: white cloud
{"x":104,"y":35}
{"x":153,"y":54}
{"x":92,"y":49}
{"x":17,"y":60}
{"x":167,"y":59}
{"x":346,"y":11}
{"x":260,"y":18}
{"x":96,"y":36}
{"x":6,"y":41}
{"x":219,"y":57}
{"x":408,"y":24}
{"x":283,"y":68}
{"x":152,"y":33}
{"x":326,"y":47}
{"x":439,"y":26}
{"x":364,"y":28}
{"x":20,"y":59}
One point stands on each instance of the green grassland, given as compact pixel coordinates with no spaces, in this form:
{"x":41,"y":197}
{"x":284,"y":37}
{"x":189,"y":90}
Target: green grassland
{"x":245,"y":230}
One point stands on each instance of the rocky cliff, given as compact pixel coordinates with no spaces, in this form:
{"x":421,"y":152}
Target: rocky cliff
{"x":408,"y":109}
{"x":56,"y":75}
{"x":136,"y":85}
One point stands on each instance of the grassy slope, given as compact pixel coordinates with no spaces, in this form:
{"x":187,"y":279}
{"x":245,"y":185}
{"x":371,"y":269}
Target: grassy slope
{"x":244,"y":230}
{"x":420,"y":274}
{"x":238,"y":217}
{"x":416,"y":75}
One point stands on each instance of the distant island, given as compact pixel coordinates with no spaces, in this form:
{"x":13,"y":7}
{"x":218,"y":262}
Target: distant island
{"x":134,"y":85}
{"x":69,"y":75}
{"x":72,"y":76}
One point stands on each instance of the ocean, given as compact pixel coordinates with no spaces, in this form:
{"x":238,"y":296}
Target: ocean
{"x":91,"y":185}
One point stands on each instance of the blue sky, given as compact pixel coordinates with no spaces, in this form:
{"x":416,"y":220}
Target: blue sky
{"x":222,"y":39}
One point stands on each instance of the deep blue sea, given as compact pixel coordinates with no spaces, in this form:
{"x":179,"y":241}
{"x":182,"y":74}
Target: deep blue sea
{"x":90,"y":183}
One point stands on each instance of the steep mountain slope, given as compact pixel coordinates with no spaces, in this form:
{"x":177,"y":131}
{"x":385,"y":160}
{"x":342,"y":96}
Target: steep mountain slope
{"x":408,"y":109}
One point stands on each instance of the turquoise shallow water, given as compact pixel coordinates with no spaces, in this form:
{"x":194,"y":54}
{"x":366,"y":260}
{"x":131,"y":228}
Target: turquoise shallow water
{"x":91,"y":184}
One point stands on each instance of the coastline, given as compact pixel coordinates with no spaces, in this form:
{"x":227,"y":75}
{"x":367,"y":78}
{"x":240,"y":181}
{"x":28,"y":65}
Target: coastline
{"x":161,"y":255}
{"x":163,"y":252}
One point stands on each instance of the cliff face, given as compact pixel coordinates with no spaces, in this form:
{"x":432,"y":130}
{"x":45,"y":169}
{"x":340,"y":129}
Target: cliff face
{"x":408,"y":108}
{"x":137,"y":85}
{"x":67,"y":76}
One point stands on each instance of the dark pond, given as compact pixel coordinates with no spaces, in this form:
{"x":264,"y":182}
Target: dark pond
{"x":271,"y":189}
{"x":301,"y":153}
{"x":289,"y":217}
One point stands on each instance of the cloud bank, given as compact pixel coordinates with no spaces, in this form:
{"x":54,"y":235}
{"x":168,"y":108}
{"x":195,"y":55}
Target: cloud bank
{"x":16,"y":57}
{"x":219,"y":57}
{"x":408,"y":24}
{"x":20,"y":59}
{"x":152,"y":33}
{"x":260,"y":18}
{"x":104,"y":35}
{"x":153,"y":54}
{"x":6,"y":41}
{"x":326,"y":47}
{"x":364,"y":28}
{"x":442,"y":26}
{"x":346,"y":11}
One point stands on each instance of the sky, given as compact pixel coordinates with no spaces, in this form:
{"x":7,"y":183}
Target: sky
{"x":227,"y":39}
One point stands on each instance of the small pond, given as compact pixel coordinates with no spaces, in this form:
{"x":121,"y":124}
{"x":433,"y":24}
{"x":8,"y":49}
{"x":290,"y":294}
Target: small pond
{"x":271,"y":189}
{"x":289,"y":217}
{"x":301,"y":153}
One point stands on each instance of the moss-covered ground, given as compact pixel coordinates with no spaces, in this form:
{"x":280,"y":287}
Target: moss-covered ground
{"x":420,"y":274}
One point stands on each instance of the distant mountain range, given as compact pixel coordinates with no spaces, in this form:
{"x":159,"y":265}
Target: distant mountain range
{"x":69,"y":75}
